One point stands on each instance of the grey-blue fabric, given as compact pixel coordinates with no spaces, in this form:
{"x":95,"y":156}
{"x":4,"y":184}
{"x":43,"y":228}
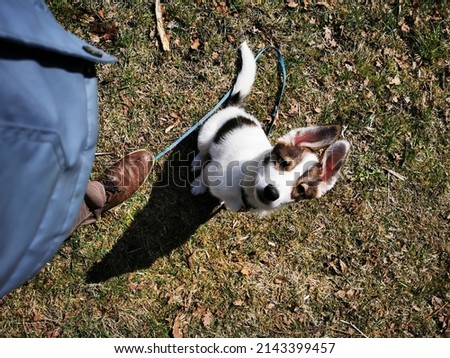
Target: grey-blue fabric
{"x":48,"y":135}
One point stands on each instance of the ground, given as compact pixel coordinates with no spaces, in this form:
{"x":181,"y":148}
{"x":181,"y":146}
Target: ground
{"x":371,"y":258}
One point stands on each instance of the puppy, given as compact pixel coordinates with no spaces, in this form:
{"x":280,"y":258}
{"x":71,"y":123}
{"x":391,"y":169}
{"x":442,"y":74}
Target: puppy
{"x":242,"y":169}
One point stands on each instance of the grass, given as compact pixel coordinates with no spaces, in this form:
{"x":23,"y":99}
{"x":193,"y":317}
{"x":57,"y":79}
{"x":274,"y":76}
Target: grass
{"x":370,"y":258}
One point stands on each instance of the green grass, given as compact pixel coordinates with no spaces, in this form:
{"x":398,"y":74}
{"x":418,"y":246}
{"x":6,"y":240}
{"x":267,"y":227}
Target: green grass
{"x":372,"y":254}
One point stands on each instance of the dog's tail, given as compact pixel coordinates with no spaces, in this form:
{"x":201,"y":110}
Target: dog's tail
{"x":245,"y":78}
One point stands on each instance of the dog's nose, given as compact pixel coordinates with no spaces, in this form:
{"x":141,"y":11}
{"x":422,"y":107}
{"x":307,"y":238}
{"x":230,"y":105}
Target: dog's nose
{"x":271,"y":193}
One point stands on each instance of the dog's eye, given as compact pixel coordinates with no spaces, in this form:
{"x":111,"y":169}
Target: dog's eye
{"x":283,"y":163}
{"x":301,"y":190}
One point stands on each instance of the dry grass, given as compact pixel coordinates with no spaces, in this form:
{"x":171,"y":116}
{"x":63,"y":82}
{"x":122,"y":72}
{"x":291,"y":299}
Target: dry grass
{"x":371,"y":258}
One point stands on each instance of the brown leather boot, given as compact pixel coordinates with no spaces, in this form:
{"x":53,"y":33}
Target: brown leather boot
{"x":124,"y":177}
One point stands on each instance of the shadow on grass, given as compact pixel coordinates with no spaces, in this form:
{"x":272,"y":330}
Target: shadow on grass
{"x":168,"y":220}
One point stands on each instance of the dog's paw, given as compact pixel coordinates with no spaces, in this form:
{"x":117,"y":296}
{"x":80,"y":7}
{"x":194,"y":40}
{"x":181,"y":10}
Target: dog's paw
{"x":198,"y":187}
{"x":197,"y":163}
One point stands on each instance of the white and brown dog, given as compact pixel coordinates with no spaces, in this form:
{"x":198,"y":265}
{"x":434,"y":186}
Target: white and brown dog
{"x":240,"y":166}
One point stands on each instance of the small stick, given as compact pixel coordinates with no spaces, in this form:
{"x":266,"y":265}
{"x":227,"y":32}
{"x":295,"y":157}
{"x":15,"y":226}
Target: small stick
{"x":353,"y":326}
{"x":395,"y":174}
{"x":101,"y":154}
{"x":160,"y":27}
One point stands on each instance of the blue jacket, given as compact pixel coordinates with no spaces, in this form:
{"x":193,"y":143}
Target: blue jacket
{"x":48,"y":134}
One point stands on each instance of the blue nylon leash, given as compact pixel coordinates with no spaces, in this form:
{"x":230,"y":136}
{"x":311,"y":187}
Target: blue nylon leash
{"x":273,"y":114}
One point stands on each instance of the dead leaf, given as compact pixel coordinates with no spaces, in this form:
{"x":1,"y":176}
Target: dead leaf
{"x":111,"y":31}
{"x":169,"y":128}
{"x":404,"y":27}
{"x":87,"y":18}
{"x":294,"y":108}
{"x":327,"y":33}
{"x":195,"y":44}
{"x":174,"y":115}
{"x":341,"y":293}
{"x":199,"y":312}
{"x":238,"y":303}
{"x":101,"y":13}
{"x":231,"y":39}
{"x":177,"y":118}
{"x":343,"y":266}
{"x":132,"y":286}
{"x":215,"y":56}
{"x":332,"y":43}
{"x":222,"y":7}
{"x":395,"y":81}
{"x":292,"y":4}
{"x":176,"y":328}
{"x":190,"y":261}
{"x":436,"y":302}
{"x":351,"y":293}
{"x":95,"y":39}
{"x":36,"y":316}
{"x":207,"y":318}
{"x":246,"y":271}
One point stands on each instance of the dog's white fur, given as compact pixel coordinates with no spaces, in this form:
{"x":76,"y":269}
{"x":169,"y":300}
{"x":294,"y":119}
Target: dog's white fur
{"x":241,"y":167}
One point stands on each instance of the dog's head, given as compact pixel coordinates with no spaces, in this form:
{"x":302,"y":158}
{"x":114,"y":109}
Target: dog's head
{"x":292,"y":170}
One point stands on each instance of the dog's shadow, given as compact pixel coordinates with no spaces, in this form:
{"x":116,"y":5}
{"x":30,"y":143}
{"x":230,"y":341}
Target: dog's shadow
{"x":167,"y":221}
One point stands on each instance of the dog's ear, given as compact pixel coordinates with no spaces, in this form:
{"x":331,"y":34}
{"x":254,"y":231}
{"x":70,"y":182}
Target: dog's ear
{"x":332,"y":161}
{"x":315,"y":137}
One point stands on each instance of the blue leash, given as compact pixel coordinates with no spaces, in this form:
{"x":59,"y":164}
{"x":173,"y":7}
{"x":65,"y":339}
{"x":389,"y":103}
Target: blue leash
{"x":225,"y":97}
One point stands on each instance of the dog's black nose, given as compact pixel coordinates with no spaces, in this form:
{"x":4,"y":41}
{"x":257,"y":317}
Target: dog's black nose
{"x":271,"y":193}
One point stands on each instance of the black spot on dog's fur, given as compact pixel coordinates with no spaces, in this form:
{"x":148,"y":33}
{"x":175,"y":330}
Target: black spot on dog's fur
{"x":231,"y":125}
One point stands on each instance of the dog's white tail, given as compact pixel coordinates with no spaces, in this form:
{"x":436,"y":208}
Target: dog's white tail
{"x":245,"y":78}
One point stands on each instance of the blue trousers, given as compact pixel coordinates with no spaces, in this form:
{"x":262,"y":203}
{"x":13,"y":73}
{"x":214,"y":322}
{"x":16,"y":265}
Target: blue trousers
{"x":48,"y":134}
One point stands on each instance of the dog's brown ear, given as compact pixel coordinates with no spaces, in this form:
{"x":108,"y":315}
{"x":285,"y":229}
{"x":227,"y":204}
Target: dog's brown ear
{"x":315,"y":137}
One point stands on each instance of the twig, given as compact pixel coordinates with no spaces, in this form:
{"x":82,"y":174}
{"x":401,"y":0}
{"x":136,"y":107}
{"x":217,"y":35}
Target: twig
{"x":438,"y":310}
{"x":395,"y":174}
{"x":101,"y":154}
{"x":354,"y":327}
{"x":160,"y":27}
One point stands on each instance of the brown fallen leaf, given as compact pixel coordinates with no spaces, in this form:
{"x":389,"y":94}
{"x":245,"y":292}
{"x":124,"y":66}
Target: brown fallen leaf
{"x":222,"y":7}
{"x":111,"y":31}
{"x":36,"y":316}
{"x":207,"y":318}
{"x":95,"y":39}
{"x":246,"y":271}
{"x":292,"y":4}
{"x":343,"y":266}
{"x":172,"y":126}
{"x":395,"y":81}
{"x":176,"y":328}
{"x":231,"y":39}
{"x":195,"y":44}
{"x":101,"y":13}
{"x":294,"y":108}
{"x":199,"y":312}
{"x":160,"y":27}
